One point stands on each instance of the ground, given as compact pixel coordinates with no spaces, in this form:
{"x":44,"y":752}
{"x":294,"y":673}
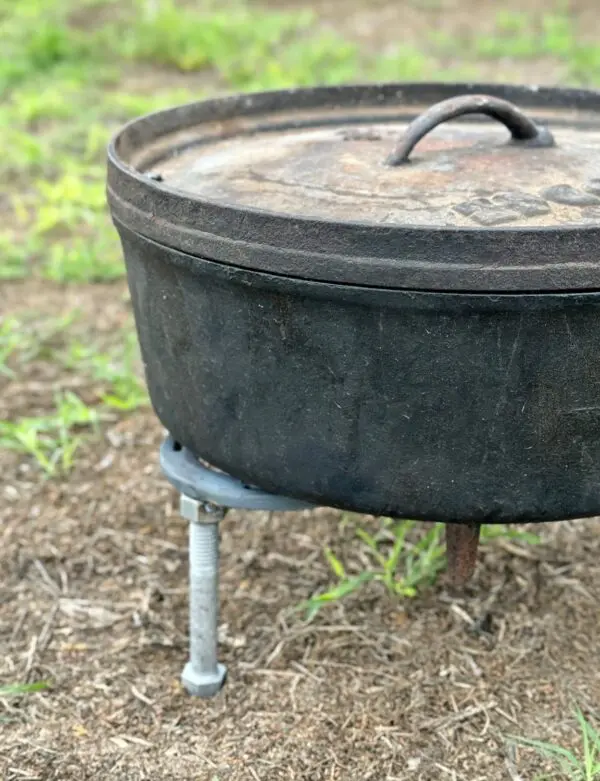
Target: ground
{"x":93,"y":594}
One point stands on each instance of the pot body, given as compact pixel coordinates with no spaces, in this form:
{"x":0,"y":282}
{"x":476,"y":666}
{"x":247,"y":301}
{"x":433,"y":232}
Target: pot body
{"x":435,"y":406}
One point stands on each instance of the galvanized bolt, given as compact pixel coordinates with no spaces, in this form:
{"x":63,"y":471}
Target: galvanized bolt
{"x":203,"y":676}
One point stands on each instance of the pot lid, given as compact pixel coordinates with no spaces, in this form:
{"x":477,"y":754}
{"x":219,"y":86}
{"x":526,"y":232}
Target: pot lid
{"x":425,"y":187}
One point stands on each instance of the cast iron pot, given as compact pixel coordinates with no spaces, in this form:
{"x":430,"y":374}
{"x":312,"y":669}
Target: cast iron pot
{"x":345,"y":297}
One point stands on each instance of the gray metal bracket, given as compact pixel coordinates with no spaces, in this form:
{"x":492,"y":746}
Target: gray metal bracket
{"x":206,"y":495}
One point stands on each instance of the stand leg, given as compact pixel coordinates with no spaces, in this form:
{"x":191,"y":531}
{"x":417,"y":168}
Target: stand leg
{"x":206,"y":494}
{"x":203,"y":676}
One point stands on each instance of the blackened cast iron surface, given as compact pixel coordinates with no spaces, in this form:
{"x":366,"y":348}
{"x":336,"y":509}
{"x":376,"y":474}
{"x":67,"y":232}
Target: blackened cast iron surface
{"x":296,"y":183}
{"x":444,"y":407}
{"x":344,"y":297}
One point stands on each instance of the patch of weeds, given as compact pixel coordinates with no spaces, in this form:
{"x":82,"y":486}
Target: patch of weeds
{"x":249,"y":49}
{"x":96,"y":139}
{"x":404,"y":566}
{"x":33,"y":154}
{"x":404,"y":63}
{"x":68,"y":202}
{"x":456,"y":73}
{"x":584,"y":65}
{"x":524,"y":36}
{"x":77,"y":149}
{"x":445,"y":43}
{"x":47,"y":148}
{"x":120,"y":387}
{"x":190,"y":40}
{"x":27,"y":151}
{"x":36,"y":41}
{"x":58,"y":100}
{"x":93,"y":258}
{"x":72,"y":211}
{"x":15,"y":255}
{"x":513,"y":37}
{"x":558,"y":36}
{"x":29,"y":339}
{"x":9,"y":343}
{"x":319,"y":59}
{"x":51,"y":440}
{"x":581,"y":766}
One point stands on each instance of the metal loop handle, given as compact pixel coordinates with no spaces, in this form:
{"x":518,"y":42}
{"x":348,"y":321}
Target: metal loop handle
{"x":522,"y":128}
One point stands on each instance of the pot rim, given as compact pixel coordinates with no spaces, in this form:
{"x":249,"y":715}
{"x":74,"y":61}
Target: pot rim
{"x":565,"y":257}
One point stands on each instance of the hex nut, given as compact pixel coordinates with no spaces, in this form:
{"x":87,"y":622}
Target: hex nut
{"x":195,"y":511}
{"x":203,"y":684}
{"x":189,"y":508}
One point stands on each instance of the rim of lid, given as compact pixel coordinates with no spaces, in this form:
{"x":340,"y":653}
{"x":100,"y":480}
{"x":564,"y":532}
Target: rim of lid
{"x":515,"y":258}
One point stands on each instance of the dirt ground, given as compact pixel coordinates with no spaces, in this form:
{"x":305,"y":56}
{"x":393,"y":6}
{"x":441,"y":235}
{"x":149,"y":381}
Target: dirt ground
{"x":93,"y":597}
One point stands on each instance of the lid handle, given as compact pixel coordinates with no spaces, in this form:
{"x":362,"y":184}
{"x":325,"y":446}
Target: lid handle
{"x":522,"y":128}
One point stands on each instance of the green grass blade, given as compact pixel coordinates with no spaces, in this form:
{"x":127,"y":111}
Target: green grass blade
{"x":565,"y":758}
{"x":335,"y":564}
{"x":19,"y":689}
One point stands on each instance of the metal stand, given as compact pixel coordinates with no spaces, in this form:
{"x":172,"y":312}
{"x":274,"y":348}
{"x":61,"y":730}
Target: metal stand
{"x":206,"y":495}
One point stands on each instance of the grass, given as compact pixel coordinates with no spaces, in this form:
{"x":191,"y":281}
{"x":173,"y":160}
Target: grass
{"x":29,"y":338}
{"x":119,"y":386}
{"x":404,"y":559}
{"x":89,"y":258}
{"x":16,"y":690}
{"x":53,"y":439}
{"x":522,"y":36}
{"x":581,"y":766}
{"x":20,"y":689}
{"x":403,"y":568}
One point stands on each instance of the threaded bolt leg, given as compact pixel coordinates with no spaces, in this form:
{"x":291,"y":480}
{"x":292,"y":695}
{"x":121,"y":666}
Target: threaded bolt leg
{"x":204,"y":588}
{"x":203,"y":676}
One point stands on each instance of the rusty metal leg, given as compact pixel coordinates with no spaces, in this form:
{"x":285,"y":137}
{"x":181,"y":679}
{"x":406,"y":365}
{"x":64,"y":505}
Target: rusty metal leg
{"x":462,"y":541}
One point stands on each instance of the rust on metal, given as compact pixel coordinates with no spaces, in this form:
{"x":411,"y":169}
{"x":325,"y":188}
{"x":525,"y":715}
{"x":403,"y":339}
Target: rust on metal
{"x":462,"y":541}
